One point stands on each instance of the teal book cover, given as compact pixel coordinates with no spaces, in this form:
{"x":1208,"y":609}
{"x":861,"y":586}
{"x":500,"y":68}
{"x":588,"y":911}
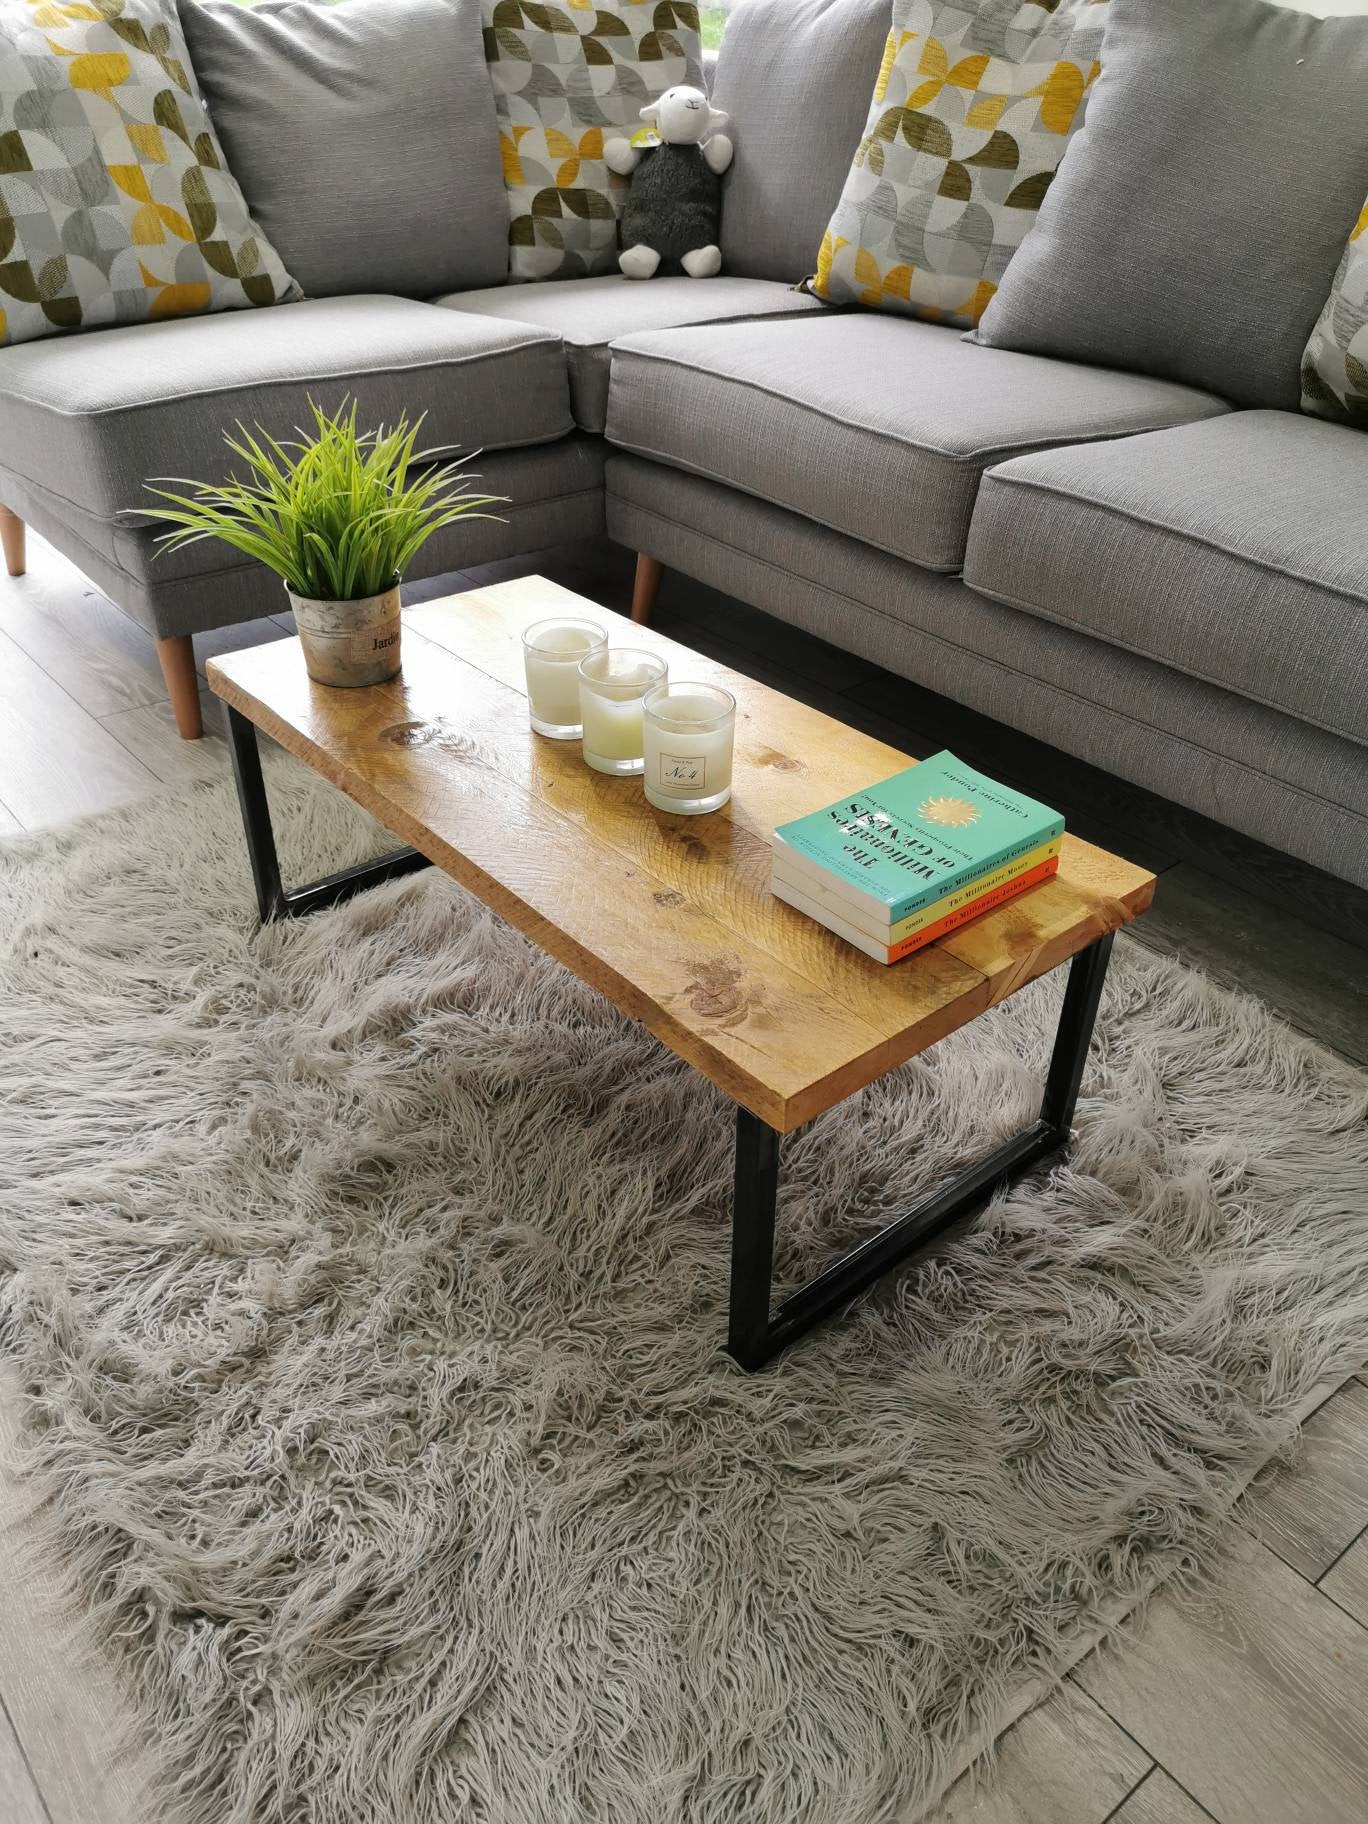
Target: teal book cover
{"x":928,"y":831}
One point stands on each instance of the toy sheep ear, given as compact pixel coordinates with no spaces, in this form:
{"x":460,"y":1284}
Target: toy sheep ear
{"x":717,"y":120}
{"x":650,"y":115}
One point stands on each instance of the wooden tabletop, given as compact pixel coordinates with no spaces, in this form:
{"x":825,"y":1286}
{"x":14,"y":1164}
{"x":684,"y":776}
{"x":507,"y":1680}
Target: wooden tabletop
{"x":670,"y":917}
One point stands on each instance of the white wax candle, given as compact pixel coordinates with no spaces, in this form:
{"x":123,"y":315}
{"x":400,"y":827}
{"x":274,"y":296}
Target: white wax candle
{"x":612,"y":686}
{"x":611,"y":730}
{"x":552,"y":674}
{"x":684,"y":762}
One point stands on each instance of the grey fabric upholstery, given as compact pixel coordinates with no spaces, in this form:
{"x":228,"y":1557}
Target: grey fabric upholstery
{"x":1277,"y":779}
{"x":1233,"y":551}
{"x":796,"y":77}
{"x":873,"y":426}
{"x":366,"y":145}
{"x":554,"y":493}
{"x":1196,"y":225}
{"x":88,"y":418}
{"x":589,"y":314}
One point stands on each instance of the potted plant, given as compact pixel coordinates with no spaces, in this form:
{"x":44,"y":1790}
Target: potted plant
{"x":339,"y":515}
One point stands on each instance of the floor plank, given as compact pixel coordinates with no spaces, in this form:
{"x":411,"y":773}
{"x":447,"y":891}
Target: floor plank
{"x":98,"y":655}
{"x":56,"y":761}
{"x":1065,"y":1762}
{"x":19,"y":1799}
{"x":1160,"y":1800}
{"x":9,"y":823}
{"x":1311,"y":1512}
{"x":65,"y":1712}
{"x":1253,"y":1696}
{"x":218,"y":640}
{"x":675,"y":617}
{"x":1347,"y":1582}
{"x":1316,"y":981}
{"x":752,"y":631}
{"x":595,"y":568}
{"x":150,"y":733}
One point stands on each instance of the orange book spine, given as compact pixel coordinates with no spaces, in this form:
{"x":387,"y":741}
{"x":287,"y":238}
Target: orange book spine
{"x":975,"y":909}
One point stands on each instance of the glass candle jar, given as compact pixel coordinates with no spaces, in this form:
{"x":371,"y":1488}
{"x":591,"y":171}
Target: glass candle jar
{"x":688,"y":730}
{"x":552,"y":651}
{"x":611,"y":686}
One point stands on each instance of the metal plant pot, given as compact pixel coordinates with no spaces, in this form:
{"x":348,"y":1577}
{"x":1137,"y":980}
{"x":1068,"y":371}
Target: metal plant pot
{"x":349,"y":643}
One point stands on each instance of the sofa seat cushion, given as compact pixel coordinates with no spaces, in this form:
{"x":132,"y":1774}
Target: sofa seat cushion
{"x":1232,"y":551}
{"x":90,"y":418}
{"x":876,"y":427}
{"x":589,"y":314}
{"x":1268,"y":774}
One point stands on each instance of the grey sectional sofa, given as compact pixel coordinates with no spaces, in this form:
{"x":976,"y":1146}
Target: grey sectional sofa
{"x":1126,"y":568}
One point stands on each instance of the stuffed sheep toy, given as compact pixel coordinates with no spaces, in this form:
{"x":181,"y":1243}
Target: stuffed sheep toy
{"x":675,"y":200}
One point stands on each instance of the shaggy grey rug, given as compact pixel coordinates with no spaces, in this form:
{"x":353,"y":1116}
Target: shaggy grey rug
{"x":367,"y":1280}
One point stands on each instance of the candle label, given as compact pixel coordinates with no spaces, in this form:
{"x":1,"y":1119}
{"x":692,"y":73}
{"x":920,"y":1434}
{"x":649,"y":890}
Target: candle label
{"x":678,"y":770}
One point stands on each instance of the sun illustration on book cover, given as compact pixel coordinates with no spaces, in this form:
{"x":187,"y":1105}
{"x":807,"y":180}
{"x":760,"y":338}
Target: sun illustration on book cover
{"x":956,"y":813}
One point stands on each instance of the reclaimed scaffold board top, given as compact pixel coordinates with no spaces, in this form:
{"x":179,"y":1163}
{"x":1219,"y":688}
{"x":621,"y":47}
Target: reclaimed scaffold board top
{"x":670,"y":917}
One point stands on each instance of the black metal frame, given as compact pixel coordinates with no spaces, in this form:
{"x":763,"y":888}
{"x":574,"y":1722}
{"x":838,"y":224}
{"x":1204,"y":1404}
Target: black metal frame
{"x":754,"y":1336}
{"x":274,"y":899}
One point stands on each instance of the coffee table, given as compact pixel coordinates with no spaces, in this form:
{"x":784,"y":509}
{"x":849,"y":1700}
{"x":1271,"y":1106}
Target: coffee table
{"x":671,"y":917}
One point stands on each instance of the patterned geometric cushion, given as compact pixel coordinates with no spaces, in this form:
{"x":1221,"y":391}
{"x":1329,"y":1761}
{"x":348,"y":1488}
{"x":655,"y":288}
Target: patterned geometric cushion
{"x":1335,"y":366}
{"x":565,"y":78}
{"x":974,"y":107}
{"x":115,"y":202}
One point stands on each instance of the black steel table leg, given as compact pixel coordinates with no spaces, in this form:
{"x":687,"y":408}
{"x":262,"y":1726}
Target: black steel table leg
{"x":1078,"y":1015}
{"x":755,"y":1186}
{"x":274,"y":900}
{"x":256,"y":816}
{"x":754,"y":1335}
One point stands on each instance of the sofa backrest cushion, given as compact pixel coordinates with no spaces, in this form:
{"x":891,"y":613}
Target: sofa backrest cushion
{"x":363,"y":135}
{"x":116,"y":203}
{"x":794,"y":76}
{"x":973,"y":108}
{"x":1196,"y":225}
{"x":565,"y":79}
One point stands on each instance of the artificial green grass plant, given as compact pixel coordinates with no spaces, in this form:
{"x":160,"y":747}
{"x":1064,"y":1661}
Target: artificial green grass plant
{"x":340,"y":515}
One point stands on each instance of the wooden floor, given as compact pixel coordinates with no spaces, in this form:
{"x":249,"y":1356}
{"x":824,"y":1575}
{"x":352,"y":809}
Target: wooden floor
{"x":1249,"y":1706}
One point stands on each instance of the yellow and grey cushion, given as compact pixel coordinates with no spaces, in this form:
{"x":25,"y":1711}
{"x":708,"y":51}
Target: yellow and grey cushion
{"x":1335,"y":366}
{"x":974,"y":107}
{"x":566,"y":77}
{"x":116,"y":204}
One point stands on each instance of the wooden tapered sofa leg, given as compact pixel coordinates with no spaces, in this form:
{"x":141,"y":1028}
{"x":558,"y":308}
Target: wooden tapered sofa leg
{"x":177,"y":655}
{"x":649,"y":571}
{"x":12,"y":537}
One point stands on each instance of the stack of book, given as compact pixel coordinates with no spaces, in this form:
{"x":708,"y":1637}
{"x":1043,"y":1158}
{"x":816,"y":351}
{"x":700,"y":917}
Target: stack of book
{"x":895,"y":867}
